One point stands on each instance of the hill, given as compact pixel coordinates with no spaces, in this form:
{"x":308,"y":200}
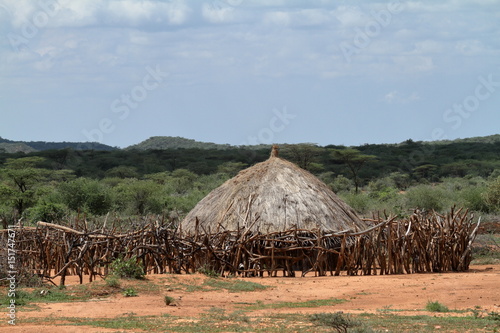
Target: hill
{"x":170,"y":142}
{"x":477,"y":139}
{"x":10,"y":146}
{"x":15,"y":147}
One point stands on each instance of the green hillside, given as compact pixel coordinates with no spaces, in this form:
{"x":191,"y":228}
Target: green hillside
{"x":30,"y":146}
{"x":15,"y":147}
{"x":170,"y":142}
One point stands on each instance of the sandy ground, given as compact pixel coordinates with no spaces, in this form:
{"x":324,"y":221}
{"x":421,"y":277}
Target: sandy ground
{"x":478,"y":287}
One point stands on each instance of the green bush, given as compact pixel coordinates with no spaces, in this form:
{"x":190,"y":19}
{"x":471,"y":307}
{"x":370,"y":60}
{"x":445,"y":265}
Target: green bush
{"x":337,"y":321}
{"x":426,"y":197}
{"x":400,"y":180}
{"x":436,"y":307}
{"x":208,"y":271}
{"x":169,"y":300}
{"x":382,"y":189}
{"x":87,"y":195}
{"x":113,"y":282}
{"x":127,"y":268}
{"x":341,"y":184}
{"x":492,"y":195}
{"x":46,"y":211}
{"x":140,"y":197}
{"x":130,"y":292}
{"x":360,"y":202}
{"x":473,"y":198}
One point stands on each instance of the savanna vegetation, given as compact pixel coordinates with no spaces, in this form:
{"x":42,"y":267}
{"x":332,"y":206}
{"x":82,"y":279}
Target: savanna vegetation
{"x":54,"y":184}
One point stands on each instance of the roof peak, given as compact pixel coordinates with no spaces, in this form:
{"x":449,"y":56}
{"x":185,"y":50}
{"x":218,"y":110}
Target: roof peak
{"x":275,"y":151}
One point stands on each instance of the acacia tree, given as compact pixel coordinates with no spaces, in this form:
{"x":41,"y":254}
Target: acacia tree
{"x":304,"y":155}
{"x":20,"y":180}
{"x":354,"y":160}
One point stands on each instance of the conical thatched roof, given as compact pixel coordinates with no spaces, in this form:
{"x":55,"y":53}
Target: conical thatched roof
{"x":275,"y":195}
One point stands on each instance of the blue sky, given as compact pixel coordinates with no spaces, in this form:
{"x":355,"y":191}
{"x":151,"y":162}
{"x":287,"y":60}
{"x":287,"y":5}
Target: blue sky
{"x":246,"y":72}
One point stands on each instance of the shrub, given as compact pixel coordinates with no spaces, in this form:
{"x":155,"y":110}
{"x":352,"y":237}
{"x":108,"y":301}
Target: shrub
{"x":382,"y":189}
{"x":436,"y":307}
{"x":46,"y":211}
{"x":130,"y":292}
{"x":473,"y":199}
{"x":208,"y":271}
{"x":169,"y":300}
{"x":361,"y":202}
{"x":341,"y":184}
{"x":426,"y":197}
{"x":139,"y":196}
{"x":492,"y":195}
{"x":113,"y":282}
{"x":86,"y":194}
{"x":337,"y":320}
{"x":127,"y":268}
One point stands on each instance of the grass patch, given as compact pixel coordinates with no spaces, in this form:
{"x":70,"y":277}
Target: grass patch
{"x":40,"y":295}
{"x":218,"y":320}
{"x":213,"y":284}
{"x":131,"y":322}
{"x":220,"y":314}
{"x":336,"y":320}
{"x":421,"y":323}
{"x":233,"y":286}
{"x":292,"y":305}
{"x":208,"y":271}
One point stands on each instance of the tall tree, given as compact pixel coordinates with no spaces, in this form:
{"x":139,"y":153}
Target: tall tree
{"x":21,"y":176}
{"x":304,"y":155}
{"x":354,"y":160}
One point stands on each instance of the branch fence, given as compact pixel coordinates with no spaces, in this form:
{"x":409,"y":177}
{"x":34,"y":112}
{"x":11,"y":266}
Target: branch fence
{"x":423,"y":242}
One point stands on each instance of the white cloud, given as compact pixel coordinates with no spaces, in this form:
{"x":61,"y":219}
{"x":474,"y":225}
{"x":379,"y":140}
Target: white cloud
{"x":313,"y":17}
{"x":70,"y":13}
{"x":396,"y":97}
{"x":279,"y":18}
{"x":428,"y":47}
{"x":470,"y":47}
{"x":350,"y":16}
{"x":413,"y":64}
{"x":218,"y":12}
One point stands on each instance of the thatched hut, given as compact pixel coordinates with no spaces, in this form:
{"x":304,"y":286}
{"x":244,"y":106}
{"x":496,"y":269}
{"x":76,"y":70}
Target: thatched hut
{"x":272,"y":196}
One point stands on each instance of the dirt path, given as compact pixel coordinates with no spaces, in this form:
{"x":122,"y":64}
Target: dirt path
{"x":477,"y":288}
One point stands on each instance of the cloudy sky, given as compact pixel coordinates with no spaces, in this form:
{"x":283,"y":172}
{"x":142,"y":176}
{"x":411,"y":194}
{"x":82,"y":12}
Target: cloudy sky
{"x":246,"y":72}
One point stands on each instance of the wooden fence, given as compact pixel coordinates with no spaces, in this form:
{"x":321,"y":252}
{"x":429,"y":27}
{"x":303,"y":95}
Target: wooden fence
{"x":423,"y":242}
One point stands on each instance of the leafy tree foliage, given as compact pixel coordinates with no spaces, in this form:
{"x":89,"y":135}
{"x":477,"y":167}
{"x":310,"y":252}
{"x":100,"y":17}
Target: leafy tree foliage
{"x":47,"y":212}
{"x":231,"y":168}
{"x":427,"y":197}
{"x":305,"y":155}
{"x":492,"y":195}
{"x":139,"y":197}
{"x":51,"y":184}
{"x":21,"y":177}
{"x":354,"y":160}
{"x":86,"y":195}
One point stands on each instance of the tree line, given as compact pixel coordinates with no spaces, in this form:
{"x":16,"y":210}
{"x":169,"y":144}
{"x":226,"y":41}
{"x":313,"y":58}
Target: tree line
{"x":53,"y":184}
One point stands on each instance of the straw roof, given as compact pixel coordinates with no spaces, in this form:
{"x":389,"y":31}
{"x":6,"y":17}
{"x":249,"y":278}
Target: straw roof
{"x":272,"y":196}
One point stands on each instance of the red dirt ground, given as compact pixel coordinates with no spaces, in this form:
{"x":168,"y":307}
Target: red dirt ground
{"x":478,"y":287}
